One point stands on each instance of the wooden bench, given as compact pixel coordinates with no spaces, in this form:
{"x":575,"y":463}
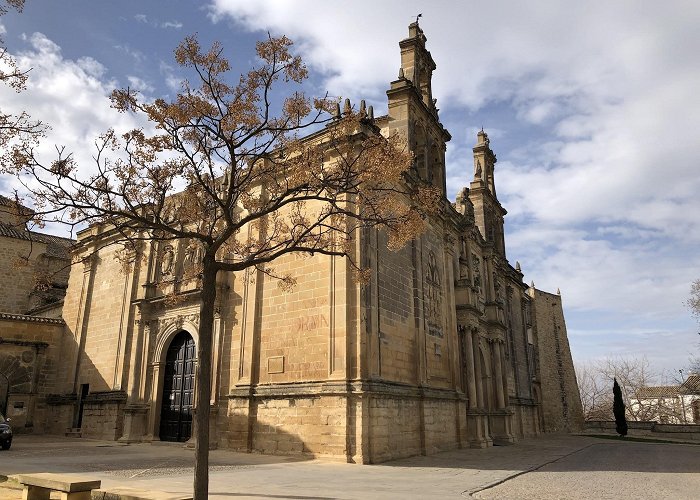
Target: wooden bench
{"x":40,"y":486}
{"x":125,"y":493}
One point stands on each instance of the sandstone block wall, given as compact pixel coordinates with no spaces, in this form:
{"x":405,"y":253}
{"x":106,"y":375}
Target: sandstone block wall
{"x":59,"y":417}
{"x":103,"y":416}
{"x":96,"y":312}
{"x":30,"y":353}
{"x":310,"y":424}
{"x":395,"y":310}
{"x":407,"y":426}
{"x":394,"y":428}
{"x":314,"y":425}
{"x":561,"y":402}
{"x":18,"y":277}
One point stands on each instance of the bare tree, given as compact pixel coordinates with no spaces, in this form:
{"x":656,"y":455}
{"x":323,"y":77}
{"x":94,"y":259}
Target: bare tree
{"x":596,"y":398}
{"x":645,"y":400}
{"x":18,"y":130}
{"x":693,"y":304}
{"x":225,"y":168}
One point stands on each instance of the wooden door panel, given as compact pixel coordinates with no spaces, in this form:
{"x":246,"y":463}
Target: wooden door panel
{"x":178,"y":389}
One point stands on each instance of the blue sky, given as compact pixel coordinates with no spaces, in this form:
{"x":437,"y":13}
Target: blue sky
{"x":591,"y":109}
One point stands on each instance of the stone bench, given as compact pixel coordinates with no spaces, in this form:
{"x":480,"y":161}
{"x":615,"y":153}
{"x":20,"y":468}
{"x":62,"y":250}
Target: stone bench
{"x":124,"y":493}
{"x":40,"y":486}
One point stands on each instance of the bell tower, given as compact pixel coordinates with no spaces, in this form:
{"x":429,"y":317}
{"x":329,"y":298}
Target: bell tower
{"x":413,"y":112}
{"x":417,"y":64}
{"x":488,"y":212}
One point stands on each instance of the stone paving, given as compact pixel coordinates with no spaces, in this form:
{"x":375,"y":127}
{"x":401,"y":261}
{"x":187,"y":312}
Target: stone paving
{"x":562,"y":467}
{"x":610,"y":470}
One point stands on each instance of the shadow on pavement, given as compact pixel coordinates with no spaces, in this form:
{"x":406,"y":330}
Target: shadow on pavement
{"x":567,"y":453}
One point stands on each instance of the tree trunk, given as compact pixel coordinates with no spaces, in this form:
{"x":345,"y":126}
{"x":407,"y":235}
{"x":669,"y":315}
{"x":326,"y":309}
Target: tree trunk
{"x":204,"y":355}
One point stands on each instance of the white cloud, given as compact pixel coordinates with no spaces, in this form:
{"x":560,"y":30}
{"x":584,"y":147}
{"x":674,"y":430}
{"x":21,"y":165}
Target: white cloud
{"x":171,"y":24}
{"x":603,"y":193}
{"x":172,"y":80}
{"x":137,"y":55}
{"x":140,"y":84}
{"x":69,"y":95}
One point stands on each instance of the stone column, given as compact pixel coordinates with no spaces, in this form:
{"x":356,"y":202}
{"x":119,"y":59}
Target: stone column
{"x":502,"y":416}
{"x":471,"y":373}
{"x":136,"y":409}
{"x":154,"y":414}
{"x":504,"y":374}
{"x":478,"y":373}
{"x":477,"y":428}
{"x":498,"y":375}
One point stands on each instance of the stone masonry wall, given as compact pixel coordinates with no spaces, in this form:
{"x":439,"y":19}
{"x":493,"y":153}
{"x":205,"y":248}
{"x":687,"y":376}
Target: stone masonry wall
{"x":95,"y":314}
{"x":104,"y":332}
{"x":103,"y":416}
{"x":396,"y":314}
{"x":561,"y":402}
{"x":30,"y":350}
{"x":395,"y":426}
{"x":294,"y":326}
{"x":314,"y":425}
{"x":18,"y":279}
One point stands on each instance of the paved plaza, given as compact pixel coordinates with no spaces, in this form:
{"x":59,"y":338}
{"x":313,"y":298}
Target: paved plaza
{"x":547,"y":467}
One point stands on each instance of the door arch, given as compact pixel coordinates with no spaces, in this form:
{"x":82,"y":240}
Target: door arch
{"x":178,"y":389}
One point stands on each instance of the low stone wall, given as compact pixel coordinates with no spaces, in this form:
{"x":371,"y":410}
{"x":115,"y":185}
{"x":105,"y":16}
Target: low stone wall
{"x":103,"y":415}
{"x":60,"y":412}
{"x":686,"y":432}
{"x":29,"y":354}
{"x":314,"y":425}
{"x":361,"y":422}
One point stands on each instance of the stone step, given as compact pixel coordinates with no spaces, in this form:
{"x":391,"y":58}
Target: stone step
{"x":74,"y":432}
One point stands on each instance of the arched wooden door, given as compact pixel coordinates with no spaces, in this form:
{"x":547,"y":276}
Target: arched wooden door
{"x":178,"y":389}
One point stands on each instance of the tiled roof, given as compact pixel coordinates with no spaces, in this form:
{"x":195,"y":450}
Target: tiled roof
{"x":9,"y":202}
{"x":55,"y":245}
{"x":659,"y":391}
{"x":691,"y":384}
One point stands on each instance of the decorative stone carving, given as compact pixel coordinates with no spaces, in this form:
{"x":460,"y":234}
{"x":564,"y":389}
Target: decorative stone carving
{"x":165,"y":324}
{"x":497,"y":288}
{"x":88,"y":262}
{"x":193,"y":255}
{"x":476,"y":264}
{"x":167,"y":261}
{"x":433,"y":297}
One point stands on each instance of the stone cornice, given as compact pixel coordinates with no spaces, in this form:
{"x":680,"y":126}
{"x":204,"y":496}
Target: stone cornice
{"x":31,"y":319}
{"x":343,"y":388}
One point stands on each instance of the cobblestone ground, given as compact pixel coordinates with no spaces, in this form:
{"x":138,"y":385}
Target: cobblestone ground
{"x":550,"y":467}
{"x":610,"y":471}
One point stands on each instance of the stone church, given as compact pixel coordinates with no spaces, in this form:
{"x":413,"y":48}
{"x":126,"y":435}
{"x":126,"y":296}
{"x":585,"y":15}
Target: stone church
{"x":445,"y":347}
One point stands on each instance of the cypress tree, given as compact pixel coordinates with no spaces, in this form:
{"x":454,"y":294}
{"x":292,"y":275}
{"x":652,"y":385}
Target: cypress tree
{"x":619,"y":410}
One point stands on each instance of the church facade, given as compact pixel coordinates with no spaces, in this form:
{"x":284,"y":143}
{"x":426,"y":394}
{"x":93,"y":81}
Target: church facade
{"x":444,"y":347}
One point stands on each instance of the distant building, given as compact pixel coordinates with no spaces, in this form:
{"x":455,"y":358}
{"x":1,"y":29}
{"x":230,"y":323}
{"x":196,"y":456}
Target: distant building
{"x":34,"y":266}
{"x":445,"y":347}
{"x":34,"y":269}
{"x":669,"y":404}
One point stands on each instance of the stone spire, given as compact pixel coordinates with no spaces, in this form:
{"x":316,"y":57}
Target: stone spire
{"x":417,"y":63}
{"x":482,"y":191}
